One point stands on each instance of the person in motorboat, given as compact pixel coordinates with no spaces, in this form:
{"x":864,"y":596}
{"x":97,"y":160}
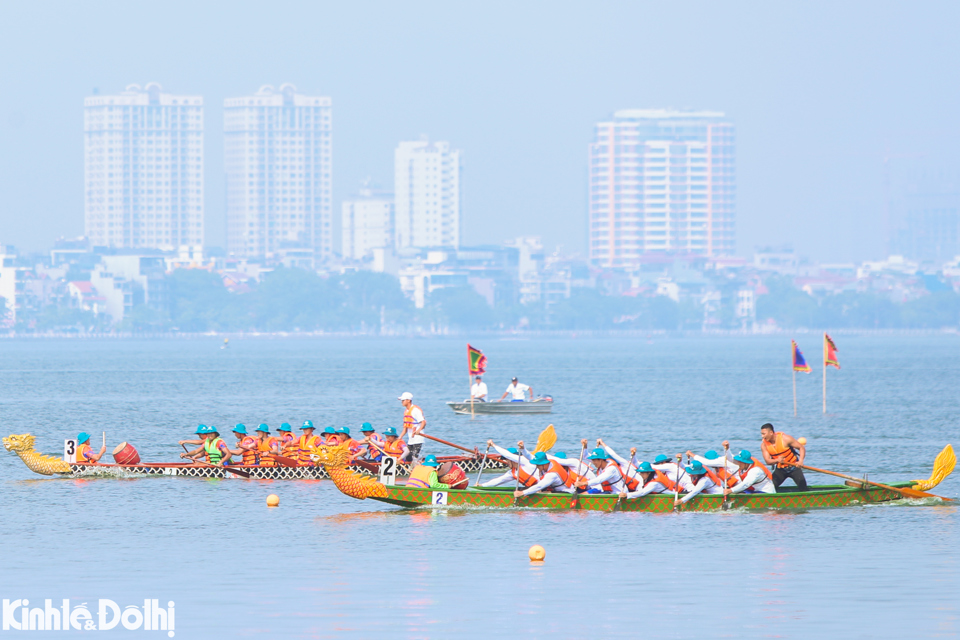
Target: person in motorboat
{"x":478,"y":390}
{"x":517,"y":391}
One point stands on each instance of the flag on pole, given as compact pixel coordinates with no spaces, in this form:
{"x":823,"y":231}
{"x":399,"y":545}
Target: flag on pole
{"x":829,"y":352}
{"x":799,"y":364}
{"x":476,"y":361}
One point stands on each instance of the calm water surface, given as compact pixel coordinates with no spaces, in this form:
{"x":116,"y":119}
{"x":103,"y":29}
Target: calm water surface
{"x":323,"y":565}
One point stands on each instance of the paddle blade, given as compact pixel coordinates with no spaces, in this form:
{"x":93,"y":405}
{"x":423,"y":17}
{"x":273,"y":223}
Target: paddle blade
{"x":943,"y":466}
{"x":548,"y":438}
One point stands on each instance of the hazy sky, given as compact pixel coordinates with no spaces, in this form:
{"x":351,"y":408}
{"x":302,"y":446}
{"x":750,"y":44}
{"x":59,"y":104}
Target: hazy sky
{"x":818,"y":91}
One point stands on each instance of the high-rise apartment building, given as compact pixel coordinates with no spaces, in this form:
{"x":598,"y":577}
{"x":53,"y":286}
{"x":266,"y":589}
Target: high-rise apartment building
{"x":279,"y":161}
{"x":427,"y":195}
{"x":367,"y":223}
{"x":143,"y":169}
{"x":661,"y":181}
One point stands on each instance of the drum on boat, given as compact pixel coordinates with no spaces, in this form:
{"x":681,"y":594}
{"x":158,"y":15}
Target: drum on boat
{"x":450,"y":473}
{"x":125,"y":453}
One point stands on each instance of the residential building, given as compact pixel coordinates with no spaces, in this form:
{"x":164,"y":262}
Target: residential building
{"x":367,"y":224}
{"x":143,"y":169}
{"x":127,"y":280}
{"x":279,"y":161}
{"x":12,"y":280}
{"x":929,"y":225}
{"x":661,"y":180}
{"x":427,"y":195}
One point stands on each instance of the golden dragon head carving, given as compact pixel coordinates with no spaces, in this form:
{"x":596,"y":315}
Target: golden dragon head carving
{"x":22,"y":445}
{"x":335,"y":460}
{"x":22,"y":442}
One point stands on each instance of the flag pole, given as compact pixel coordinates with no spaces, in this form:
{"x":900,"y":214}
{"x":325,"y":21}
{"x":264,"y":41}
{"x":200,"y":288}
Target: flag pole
{"x":470,"y":388}
{"x":794,"y":392}
{"x":824,"y":373}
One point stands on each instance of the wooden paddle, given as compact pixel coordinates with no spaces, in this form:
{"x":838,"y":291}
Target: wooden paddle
{"x":519,"y":468}
{"x":474,"y":451}
{"x":242,"y":474}
{"x":290,"y":462}
{"x":723,"y":505}
{"x":676,"y":487}
{"x":483,"y":463}
{"x":546,"y":440}
{"x":906,"y":492}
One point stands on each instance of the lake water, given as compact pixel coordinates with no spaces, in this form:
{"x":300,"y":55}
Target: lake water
{"x":323,"y":565}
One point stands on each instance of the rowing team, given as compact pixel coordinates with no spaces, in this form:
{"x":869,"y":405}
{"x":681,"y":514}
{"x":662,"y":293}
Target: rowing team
{"x":262,"y":449}
{"x":607,"y":472}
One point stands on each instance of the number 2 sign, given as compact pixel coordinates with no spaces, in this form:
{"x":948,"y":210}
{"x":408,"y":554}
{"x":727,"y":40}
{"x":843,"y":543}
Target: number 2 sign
{"x":388,"y":470}
{"x":439,"y":498}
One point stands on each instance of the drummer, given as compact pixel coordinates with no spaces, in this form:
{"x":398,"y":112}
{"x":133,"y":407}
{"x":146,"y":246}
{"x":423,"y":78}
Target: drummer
{"x":85,"y":451}
{"x":517,"y":391}
{"x":373,"y":441}
{"x":424,"y":476}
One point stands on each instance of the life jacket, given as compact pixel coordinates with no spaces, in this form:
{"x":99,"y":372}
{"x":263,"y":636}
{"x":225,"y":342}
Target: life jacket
{"x":526,"y":479}
{"x":82,"y":451}
{"x":779,"y":451}
{"x":354,"y":447}
{"x":331,"y":440}
{"x":394,"y":449}
{"x":291,"y":448}
{"x":421,"y":476}
{"x":304,"y":444}
{"x":265,"y":449}
{"x":249,"y":456}
{"x":632,"y":483}
{"x":714,"y":476}
{"x":560,"y":471}
{"x":663,"y":479}
{"x":213,"y":451}
{"x":372,"y":451}
{"x":408,"y":422}
{"x":740,"y":476}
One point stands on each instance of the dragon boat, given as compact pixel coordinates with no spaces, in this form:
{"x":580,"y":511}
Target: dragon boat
{"x":23,"y":446}
{"x":788,"y":498}
{"x":540,"y":405}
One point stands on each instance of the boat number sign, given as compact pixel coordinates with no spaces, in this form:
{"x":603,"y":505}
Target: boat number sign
{"x":388,"y":470}
{"x":439,"y":498}
{"x":70,"y":451}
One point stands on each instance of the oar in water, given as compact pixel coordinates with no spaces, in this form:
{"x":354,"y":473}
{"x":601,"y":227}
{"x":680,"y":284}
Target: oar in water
{"x":906,"y":492}
{"x":242,"y":474}
{"x":583,"y":448}
{"x":676,"y":487}
{"x":483,"y":463}
{"x":724,"y":506}
{"x":519,"y":467}
{"x":626,"y":476}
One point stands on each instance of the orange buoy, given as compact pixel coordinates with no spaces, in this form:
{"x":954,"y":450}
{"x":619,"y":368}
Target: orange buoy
{"x":273,"y":500}
{"x":802,"y":441}
{"x":537,"y":553}
{"x":124,"y":453}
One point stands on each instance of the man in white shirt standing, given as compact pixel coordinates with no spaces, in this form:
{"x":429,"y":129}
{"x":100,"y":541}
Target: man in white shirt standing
{"x":413,"y":423}
{"x":479,"y":390}
{"x":518,"y":391}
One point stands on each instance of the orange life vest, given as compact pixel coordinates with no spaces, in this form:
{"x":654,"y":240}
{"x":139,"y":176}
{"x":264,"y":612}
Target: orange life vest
{"x":249,"y":456}
{"x":420,"y":476}
{"x":663,"y":479}
{"x":303,"y":449}
{"x":290,"y":449}
{"x":779,"y":451}
{"x":740,"y":476}
{"x":394,"y":449}
{"x":82,"y":451}
{"x":408,"y":422}
{"x":632,"y":483}
{"x":372,"y":451}
{"x":526,"y":479}
{"x":714,"y":476}
{"x":265,"y":449}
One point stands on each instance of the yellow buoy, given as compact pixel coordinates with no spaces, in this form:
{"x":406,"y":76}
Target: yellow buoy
{"x":537,"y":553}
{"x":802,"y":441}
{"x":273,"y":500}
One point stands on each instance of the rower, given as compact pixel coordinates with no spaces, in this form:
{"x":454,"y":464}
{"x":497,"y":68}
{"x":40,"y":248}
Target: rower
{"x":246,"y":446}
{"x":373,"y":441}
{"x":517,"y":391}
{"x":609,"y":476}
{"x":667,"y":466}
{"x":785,"y":454}
{"x":697,"y":480}
{"x":553,"y":478}
{"x":394,"y":446}
{"x":414,"y":423}
{"x":267,"y":446}
{"x":424,"y":475}
{"x":629,"y":475}
{"x":508,"y":478}
{"x":354,"y":447}
{"x":85,"y":452}
{"x":722,"y":466}
{"x":201,"y":438}
{"x":751,"y":476}
{"x":329,"y":435}
{"x":651,"y":481}
{"x":575,"y":465}
{"x":306,"y":444}
{"x":478,"y":390}
{"x":288,"y":442}
{"x":215,"y":448}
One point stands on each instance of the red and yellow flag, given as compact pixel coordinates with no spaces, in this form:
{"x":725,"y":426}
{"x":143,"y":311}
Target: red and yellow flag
{"x":476,"y":361}
{"x":799,"y":364}
{"x":829,"y":353}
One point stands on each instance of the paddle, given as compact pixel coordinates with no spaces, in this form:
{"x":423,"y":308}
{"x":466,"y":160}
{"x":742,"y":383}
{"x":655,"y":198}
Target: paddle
{"x":474,"y":451}
{"x":723,"y":505}
{"x":483,"y":463}
{"x":242,"y":474}
{"x":290,"y":462}
{"x":908,"y":493}
{"x":676,"y":487}
{"x":519,"y":468}
{"x":943,"y":466}
{"x":546,"y":439}
{"x":633,"y":454}
{"x":583,"y":449}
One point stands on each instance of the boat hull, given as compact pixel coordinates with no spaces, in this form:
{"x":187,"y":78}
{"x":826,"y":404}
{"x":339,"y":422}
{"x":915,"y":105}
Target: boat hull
{"x":818,"y":497}
{"x":189,"y":470}
{"x":538,"y":406}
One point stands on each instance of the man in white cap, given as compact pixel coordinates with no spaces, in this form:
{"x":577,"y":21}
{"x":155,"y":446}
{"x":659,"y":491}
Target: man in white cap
{"x":414,"y":423}
{"x":517,"y":391}
{"x":478,"y":390}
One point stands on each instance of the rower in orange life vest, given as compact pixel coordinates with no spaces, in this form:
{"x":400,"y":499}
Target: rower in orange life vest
{"x":246,"y":446}
{"x":329,"y":436}
{"x":372,"y":441}
{"x":289,"y":447}
{"x":85,"y":452}
{"x":751,"y":476}
{"x":424,"y":476}
{"x":783,"y":453}
{"x":697,"y":479}
{"x":609,"y":476}
{"x":353,"y":446}
{"x":651,"y":481}
{"x":305,"y":445}
{"x":512,"y":457}
{"x":267,"y":446}
{"x":630,"y":476}
{"x":393,"y":446}
{"x":723,"y":467}
{"x":550,"y":477}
